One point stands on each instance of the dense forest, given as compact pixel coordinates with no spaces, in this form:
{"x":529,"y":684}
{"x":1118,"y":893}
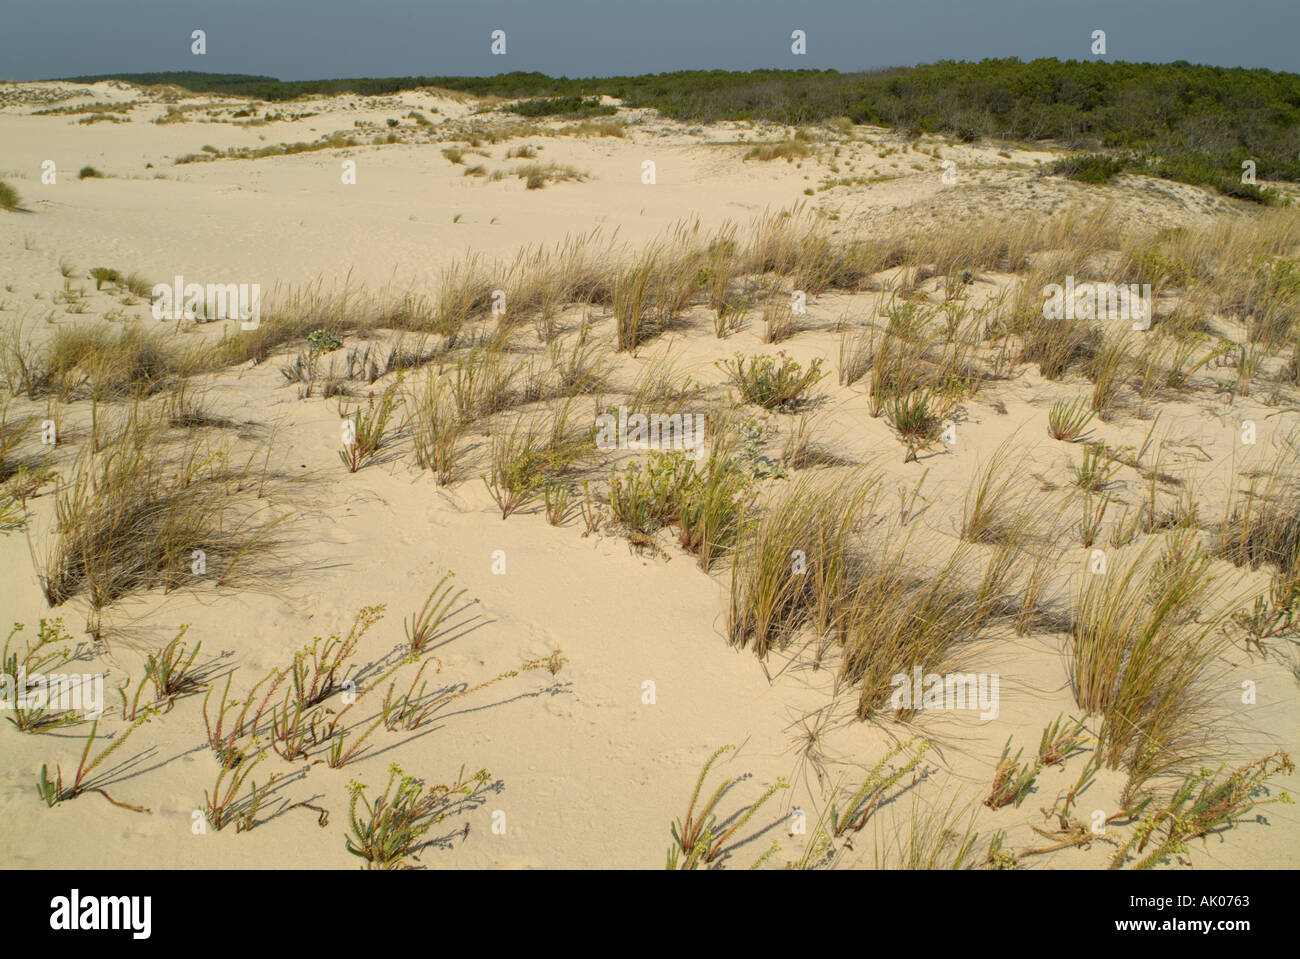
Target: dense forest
{"x":1178,"y":120}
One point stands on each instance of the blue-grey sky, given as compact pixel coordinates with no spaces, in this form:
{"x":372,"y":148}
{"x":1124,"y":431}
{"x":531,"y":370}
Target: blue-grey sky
{"x":314,"y":39}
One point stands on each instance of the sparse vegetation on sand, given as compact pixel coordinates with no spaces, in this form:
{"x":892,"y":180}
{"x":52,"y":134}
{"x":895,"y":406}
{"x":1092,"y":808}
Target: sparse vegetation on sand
{"x":699,"y":839}
{"x":1145,"y":577}
{"x":56,"y":791}
{"x":762,"y":381}
{"x":95,"y":361}
{"x":364,"y":429}
{"x":132,"y":515}
{"x":53,"y":647}
{"x":788,"y":150}
{"x":530,"y":450}
{"x":1145,"y":645}
{"x":1206,"y":801}
{"x":568,"y":107}
{"x":389,"y":829}
{"x":1068,"y":419}
{"x":997,"y":98}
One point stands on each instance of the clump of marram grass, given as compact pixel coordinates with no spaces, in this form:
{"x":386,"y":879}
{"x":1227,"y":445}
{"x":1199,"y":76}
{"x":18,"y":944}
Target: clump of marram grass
{"x":88,"y":172}
{"x":937,"y":837}
{"x":464,"y":294}
{"x":715,"y":509}
{"x":97,"y":361}
{"x":134,"y":515}
{"x":1068,"y":419}
{"x":135,"y":361}
{"x":422,"y":627}
{"x":988,"y":514}
{"x":13,"y":430}
{"x":1095,"y":470}
{"x":649,"y":294}
{"x":530,"y":451}
{"x":389,"y":830}
{"x":699,"y":839}
{"x":779,"y":322}
{"x":104,"y":274}
{"x":795,"y":565}
{"x":365,"y":430}
{"x":788,"y":150}
{"x":138,"y":286}
{"x":631,"y":298}
{"x":583,"y":368}
{"x":1143,"y":655}
{"x":902,"y":614}
{"x":537,"y":175}
{"x":294,"y":313}
{"x":8,"y":197}
{"x":482,"y":384}
{"x":857,"y":348}
{"x":436,"y":428}
{"x":662,"y":386}
{"x":1106,"y":371}
{"x":1261,"y":525}
{"x":916,"y":418}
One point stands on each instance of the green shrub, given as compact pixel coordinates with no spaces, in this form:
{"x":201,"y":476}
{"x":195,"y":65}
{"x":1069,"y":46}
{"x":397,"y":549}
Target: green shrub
{"x":323,"y":341}
{"x":1087,"y":167}
{"x":762,"y":382}
{"x":103,"y":274}
{"x":570,"y":107}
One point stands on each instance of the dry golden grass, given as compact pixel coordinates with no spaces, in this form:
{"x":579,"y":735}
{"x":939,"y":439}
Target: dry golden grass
{"x":1145,"y":656}
{"x":145,"y":510}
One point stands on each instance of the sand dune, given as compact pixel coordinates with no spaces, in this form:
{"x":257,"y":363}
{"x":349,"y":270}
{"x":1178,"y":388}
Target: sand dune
{"x":630,"y":684}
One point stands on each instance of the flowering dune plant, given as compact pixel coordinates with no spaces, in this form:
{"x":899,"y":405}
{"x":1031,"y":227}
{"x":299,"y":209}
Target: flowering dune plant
{"x":385,"y":832}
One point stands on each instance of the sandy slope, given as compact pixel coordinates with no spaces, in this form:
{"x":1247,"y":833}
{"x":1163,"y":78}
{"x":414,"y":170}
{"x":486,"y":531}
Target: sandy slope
{"x":590,"y":774}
